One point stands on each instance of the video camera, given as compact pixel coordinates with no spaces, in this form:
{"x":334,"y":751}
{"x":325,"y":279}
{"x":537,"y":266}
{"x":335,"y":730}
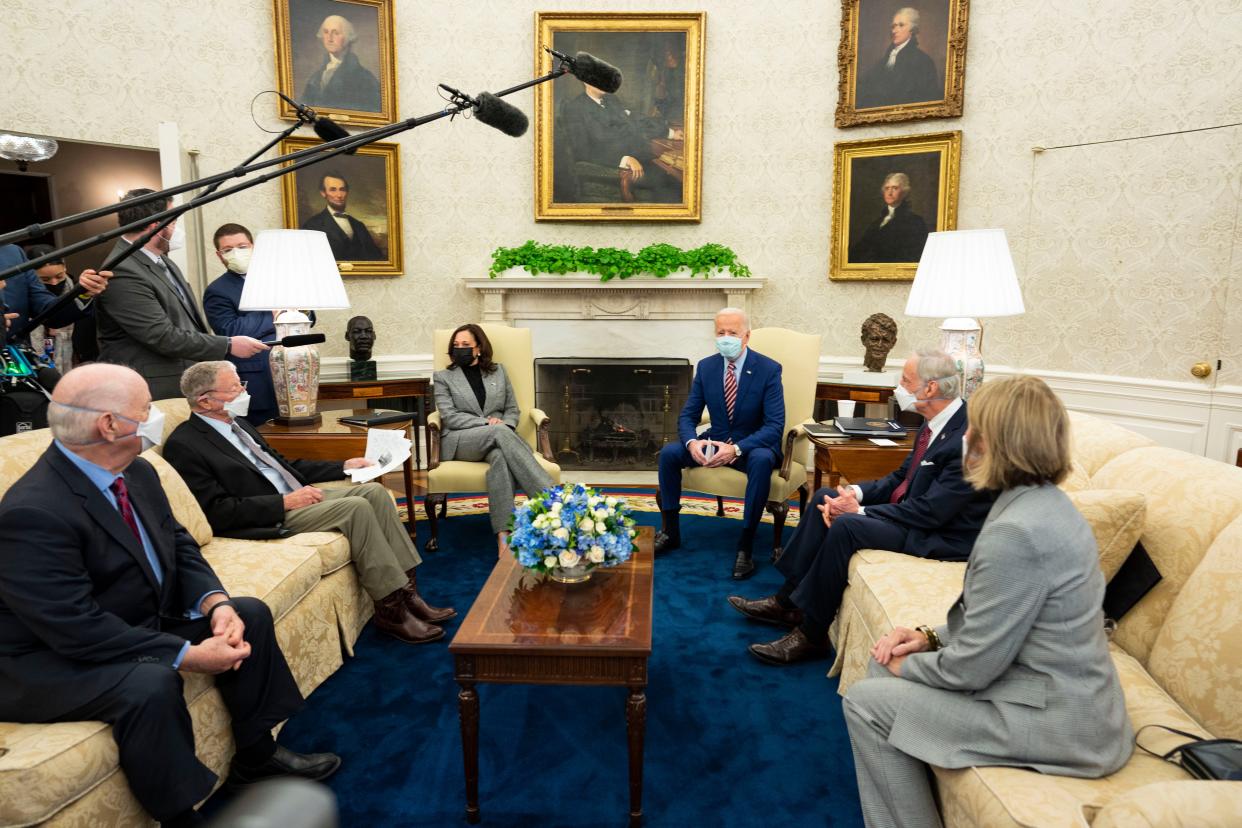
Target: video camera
{"x":23,"y":397}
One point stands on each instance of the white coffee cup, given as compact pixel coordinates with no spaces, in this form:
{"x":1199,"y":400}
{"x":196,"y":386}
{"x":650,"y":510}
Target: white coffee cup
{"x":845,"y":408}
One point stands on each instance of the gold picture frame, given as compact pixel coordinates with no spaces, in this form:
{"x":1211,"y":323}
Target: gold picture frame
{"x":924,"y":78}
{"x":635,"y":156}
{"x":360,"y":89}
{"x":372,"y":244}
{"x":878,"y":231}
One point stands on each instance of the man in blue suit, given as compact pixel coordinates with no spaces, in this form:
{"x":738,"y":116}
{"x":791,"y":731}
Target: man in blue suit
{"x":742,"y":392}
{"x":234,"y":244}
{"x":25,"y":296}
{"x":925,"y":508}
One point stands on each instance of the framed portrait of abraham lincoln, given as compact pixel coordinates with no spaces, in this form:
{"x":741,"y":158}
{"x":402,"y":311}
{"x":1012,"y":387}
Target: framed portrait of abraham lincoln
{"x":630,"y":155}
{"x":339,"y":58}
{"x":887,"y":195}
{"x":901,"y":60}
{"x":355,"y":200}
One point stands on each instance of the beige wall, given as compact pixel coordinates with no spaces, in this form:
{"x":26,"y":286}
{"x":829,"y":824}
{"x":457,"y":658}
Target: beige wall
{"x":1125,"y":250}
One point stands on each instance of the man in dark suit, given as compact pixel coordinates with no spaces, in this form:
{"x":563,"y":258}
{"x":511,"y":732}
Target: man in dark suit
{"x":341,"y":82}
{"x":104,"y":596}
{"x":349,"y":238}
{"x":24,"y":295}
{"x":925,"y":508}
{"x":905,"y":74}
{"x":243,"y":484}
{"x":148,"y":320}
{"x":742,"y":392}
{"x":898,"y":233}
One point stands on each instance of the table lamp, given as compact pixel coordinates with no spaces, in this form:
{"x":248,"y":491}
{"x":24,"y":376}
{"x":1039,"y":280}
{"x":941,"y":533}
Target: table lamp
{"x":964,"y":274}
{"x":294,"y":269}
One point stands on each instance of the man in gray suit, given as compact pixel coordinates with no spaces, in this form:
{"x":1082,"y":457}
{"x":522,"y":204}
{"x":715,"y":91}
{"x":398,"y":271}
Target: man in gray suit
{"x":148,"y":319}
{"x":1021,"y":674}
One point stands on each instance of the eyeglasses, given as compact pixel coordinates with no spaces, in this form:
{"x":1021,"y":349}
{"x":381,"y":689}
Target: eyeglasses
{"x":242,"y":383}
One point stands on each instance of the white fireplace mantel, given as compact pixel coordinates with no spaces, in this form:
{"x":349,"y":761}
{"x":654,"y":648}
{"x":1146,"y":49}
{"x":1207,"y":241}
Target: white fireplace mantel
{"x":516,"y":295}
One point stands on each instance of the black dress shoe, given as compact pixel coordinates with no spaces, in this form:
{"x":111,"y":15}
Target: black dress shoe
{"x":791,"y":649}
{"x":284,"y":762}
{"x":743,"y":566}
{"x":768,"y":610}
{"x":666,"y":543}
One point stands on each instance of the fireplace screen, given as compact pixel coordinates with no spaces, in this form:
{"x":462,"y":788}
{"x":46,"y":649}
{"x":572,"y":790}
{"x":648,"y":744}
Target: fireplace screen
{"x":611,"y":414}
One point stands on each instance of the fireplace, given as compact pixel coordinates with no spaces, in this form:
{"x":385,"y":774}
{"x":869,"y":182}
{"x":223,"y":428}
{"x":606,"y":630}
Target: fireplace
{"x":611,"y":414}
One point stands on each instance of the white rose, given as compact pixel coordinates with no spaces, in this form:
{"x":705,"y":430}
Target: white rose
{"x":570,"y":558}
{"x":592,"y":500}
{"x":596,"y":555}
{"x":586,"y":524}
{"x":611,"y":501}
{"x":562,"y":533}
{"x":633,"y":532}
{"x":549,"y":561}
{"x":600,"y":528}
{"x":556,"y":507}
{"x":554,"y":523}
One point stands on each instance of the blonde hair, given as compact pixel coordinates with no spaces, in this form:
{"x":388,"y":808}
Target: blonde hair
{"x":1024,"y":430}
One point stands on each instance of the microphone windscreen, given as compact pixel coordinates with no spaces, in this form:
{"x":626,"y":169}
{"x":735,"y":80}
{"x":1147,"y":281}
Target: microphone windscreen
{"x":590,"y":69}
{"x":295,"y":340}
{"x":504,"y":116}
{"x":330,"y":130}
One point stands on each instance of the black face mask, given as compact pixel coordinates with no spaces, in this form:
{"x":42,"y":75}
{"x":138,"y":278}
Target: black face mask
{"x":462,"y":357}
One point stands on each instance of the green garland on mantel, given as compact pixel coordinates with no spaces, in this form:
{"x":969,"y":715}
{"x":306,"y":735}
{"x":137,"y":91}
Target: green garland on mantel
{"x":609,"y":263}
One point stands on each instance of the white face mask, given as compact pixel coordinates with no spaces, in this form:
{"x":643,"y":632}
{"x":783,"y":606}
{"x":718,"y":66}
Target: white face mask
{"x":238,"y":259}
{"x":150,"y":430}
{"x":905,"y":400}
{"x":177,"y":240}
{"x":239,"y":406}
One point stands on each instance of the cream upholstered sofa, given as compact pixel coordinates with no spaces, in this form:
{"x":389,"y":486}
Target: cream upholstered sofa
{"x":1177,"y":650}
{"x":67,"y":774}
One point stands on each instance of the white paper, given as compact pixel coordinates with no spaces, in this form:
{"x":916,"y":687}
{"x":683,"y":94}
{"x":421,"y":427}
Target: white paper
{"x":880,"y":441}
{"x":388,"y":447}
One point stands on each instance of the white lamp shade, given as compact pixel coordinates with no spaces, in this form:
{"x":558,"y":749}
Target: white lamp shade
{"x":965,"y":273}
{"x":293,"y":269}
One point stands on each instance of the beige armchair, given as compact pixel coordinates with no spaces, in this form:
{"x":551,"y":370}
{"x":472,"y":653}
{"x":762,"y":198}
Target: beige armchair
{"x":798,"y":354}
{"x":511,"y":347}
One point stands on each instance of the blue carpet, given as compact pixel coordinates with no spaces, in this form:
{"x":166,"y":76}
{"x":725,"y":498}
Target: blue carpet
{"x":729,"y":741}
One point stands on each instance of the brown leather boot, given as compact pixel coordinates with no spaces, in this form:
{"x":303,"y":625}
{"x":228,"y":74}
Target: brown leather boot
{"x":419,"y":607}
{"x":394,"y":617}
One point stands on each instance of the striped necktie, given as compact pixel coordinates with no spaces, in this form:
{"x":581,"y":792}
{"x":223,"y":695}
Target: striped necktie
{"x":730,"y":389}
{"x":920,"y":448}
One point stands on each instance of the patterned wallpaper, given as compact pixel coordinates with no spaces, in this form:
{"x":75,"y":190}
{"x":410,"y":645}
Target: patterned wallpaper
{"x":1128,"y":252}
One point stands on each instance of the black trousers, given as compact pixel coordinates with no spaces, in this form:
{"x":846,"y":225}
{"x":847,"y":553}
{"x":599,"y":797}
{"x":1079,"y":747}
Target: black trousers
{"x":152,"y":726}
{"x":816,"y":562}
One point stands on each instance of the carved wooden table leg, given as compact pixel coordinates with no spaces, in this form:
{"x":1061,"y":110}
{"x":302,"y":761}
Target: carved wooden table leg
{"x":636,"y":725}
{"x":468,"y":710}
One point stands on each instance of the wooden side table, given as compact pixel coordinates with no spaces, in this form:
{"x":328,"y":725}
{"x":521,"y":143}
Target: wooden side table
{"x":857,"y":393}
{"x":857,"y":459}
{"x":334,"y":440}
{"x":416,"y":388}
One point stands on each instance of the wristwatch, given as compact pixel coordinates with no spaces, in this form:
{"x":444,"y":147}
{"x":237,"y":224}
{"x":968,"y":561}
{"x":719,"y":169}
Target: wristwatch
{"x":738,"y":449}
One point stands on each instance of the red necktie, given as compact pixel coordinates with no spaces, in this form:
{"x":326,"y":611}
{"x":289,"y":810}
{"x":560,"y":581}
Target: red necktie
{"x":119,"y":489}
{"x":730,"y":389}
{"x":920,"y":448}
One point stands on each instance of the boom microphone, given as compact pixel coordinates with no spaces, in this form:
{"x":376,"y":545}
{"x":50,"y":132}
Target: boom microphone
{"x":591,"y":70}
{"x":295,"y":340}
{"x":325,"y":127}
{"x":492,"y":111}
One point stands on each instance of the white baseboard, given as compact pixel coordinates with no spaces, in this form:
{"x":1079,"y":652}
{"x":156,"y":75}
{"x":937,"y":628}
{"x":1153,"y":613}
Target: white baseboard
{"x":1183,"y":415}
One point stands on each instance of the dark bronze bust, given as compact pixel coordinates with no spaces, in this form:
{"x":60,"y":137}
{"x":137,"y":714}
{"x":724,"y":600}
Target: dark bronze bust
{"x":879,"y":335}
{"x":361,"y":336}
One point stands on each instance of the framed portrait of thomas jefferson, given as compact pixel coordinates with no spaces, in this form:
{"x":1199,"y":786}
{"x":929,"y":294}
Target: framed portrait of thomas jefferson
{"x":339,"y":58}
{"x":887,"y":195}
{"x":901,"y":60}
{"x":632,"y":155}
{"x":355,"y":200}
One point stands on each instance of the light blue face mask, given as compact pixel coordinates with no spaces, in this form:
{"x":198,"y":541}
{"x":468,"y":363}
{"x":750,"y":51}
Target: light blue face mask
{"x":730,"y":347}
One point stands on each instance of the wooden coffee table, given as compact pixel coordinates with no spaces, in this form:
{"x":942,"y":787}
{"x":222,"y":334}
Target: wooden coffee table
{"x":528,"y":629}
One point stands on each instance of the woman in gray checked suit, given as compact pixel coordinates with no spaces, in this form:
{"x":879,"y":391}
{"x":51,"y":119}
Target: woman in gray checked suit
{"x":1021,"y":674}
{"x":478,"y":418}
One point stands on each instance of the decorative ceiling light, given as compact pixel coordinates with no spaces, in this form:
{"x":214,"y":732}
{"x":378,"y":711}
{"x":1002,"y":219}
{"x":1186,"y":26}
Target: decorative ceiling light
{"x":26,"y":148}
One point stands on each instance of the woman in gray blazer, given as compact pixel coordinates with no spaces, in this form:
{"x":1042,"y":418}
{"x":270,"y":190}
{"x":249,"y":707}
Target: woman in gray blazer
{"x":478,"y":421}
{"x":1021,"y":674}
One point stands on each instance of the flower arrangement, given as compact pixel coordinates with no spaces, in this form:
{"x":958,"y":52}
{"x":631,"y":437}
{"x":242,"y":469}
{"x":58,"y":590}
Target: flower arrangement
{"x":566,"y":527}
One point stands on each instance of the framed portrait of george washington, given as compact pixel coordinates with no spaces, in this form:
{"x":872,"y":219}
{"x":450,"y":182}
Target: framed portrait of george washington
{"x":339,"y":58}
{"x":901,"y":60}
{"x":355,"y":200}
{"x":887,"y":195}
{"x":635,"y":154}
